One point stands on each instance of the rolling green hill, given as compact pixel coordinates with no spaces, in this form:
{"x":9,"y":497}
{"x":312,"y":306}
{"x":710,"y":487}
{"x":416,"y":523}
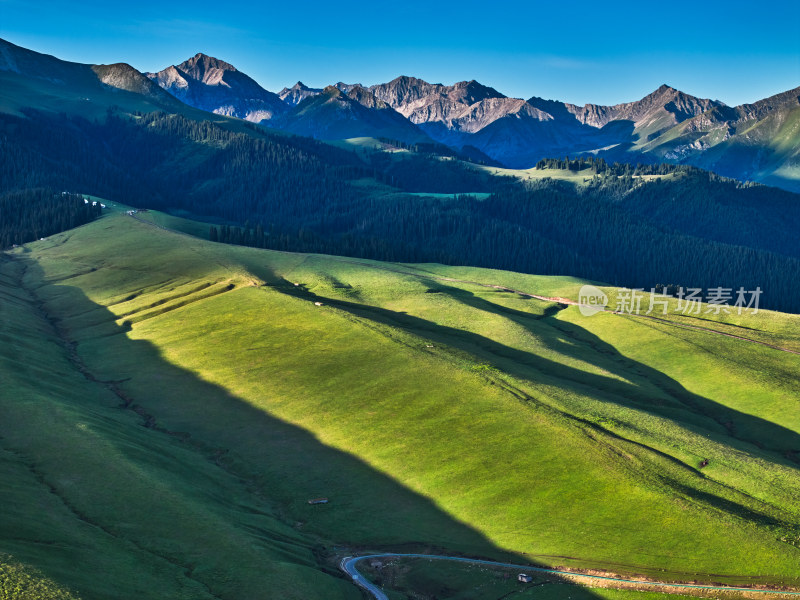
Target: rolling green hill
{"x":171,"y":404}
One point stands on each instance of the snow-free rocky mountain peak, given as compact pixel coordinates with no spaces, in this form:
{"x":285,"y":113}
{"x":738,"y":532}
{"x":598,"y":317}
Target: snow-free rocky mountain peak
{"x":211,"y":84}
{"x":337,"y":114}
{"x":297,"y":93}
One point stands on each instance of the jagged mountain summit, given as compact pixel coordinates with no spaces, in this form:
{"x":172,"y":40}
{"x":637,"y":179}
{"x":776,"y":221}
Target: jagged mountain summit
{"x":336,"y":114}
{"x":297,"y":93}
{"x":759,"y":141}
{"x":341,"y":111}
{"x":518,"y":132}
{"x":213,"y":85}
{"x":423,"y":102}
{"x":660,"y":109}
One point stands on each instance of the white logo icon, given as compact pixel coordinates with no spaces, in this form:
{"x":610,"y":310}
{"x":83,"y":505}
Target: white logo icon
{"x":591,"y":300}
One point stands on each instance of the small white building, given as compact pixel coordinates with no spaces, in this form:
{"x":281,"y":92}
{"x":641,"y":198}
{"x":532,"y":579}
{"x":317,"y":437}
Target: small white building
{"x":524,"y":578}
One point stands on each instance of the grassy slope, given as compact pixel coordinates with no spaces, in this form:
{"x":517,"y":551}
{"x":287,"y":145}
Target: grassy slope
{"x":19,"y":581}
{"x":432,"y":413}
{"x":365,"y":146}
{"x":117,"y":510}
{"x":86,"y":98}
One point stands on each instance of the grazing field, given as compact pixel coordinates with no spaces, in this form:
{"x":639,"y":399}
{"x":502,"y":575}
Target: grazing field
{"x":171,"y":404}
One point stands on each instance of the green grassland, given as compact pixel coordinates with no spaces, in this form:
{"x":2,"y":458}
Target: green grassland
{"x":579,"y":179}
{"x":170,"y":405}
{"x":367,"y":145}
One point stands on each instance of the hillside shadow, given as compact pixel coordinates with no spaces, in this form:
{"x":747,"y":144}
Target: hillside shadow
{"x":640,"y":386}
{"x":283,"y":465}
{"x":655,"y":391}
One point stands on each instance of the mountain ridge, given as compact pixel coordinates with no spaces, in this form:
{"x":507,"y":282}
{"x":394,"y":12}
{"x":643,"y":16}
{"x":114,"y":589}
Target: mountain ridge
{"x":337,"y":114}
{"x":297,"y":93}
{"x":69,"y":86}
{"x":758,"y":141}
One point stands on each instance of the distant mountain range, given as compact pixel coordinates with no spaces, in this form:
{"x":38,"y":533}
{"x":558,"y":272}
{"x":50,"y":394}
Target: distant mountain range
{"x":759,"y":142}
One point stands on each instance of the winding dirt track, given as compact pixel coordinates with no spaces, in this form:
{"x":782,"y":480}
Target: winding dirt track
{"x":348,"y":565}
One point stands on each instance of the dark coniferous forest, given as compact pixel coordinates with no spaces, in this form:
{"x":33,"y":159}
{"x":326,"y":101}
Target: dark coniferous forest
{"x":32,"y":214}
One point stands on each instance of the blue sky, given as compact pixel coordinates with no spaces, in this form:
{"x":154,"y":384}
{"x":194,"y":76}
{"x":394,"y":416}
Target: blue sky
{"x":602,"y":52}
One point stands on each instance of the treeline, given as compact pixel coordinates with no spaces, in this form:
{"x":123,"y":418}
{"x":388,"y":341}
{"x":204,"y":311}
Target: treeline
{"x":169,"y":162}
{"x":626,"y":244}
{"x":551,"y":228}
{"x":601,"y":167}
{"x":254,"y":237}
{"x":708,"y":206}
{"x":28,"y":215}
{"x":468,"y":153}
{"x":420,"y":173}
